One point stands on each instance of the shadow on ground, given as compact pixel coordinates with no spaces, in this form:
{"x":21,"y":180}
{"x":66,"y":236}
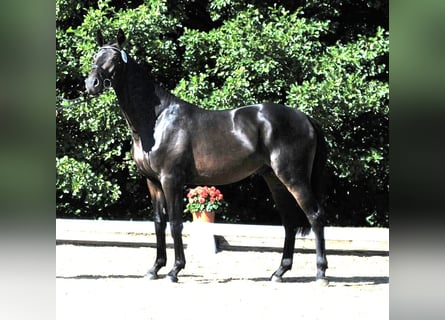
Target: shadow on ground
{"x":347,"y":281}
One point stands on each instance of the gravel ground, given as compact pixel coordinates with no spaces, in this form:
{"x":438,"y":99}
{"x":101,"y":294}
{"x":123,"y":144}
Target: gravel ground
{"x":108,"y":283}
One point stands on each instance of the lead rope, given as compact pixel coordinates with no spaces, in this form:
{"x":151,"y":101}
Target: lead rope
{"x":72,"y":102}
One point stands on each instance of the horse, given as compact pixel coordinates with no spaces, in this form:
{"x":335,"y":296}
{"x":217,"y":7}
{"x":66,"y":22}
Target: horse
{"x":176,"y":143}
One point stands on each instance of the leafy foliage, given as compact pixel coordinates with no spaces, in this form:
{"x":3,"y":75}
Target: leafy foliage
{"x":326,"y":58}
{"x":248,"y":52}
{"x":95,"y":133}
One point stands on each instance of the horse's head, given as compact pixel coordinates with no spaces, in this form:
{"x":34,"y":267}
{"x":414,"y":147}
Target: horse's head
{"x":108,"y":62}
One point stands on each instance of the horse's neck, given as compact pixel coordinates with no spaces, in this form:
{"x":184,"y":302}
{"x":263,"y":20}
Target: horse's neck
{"x":140,"y":99}
{"x":141,"y":103}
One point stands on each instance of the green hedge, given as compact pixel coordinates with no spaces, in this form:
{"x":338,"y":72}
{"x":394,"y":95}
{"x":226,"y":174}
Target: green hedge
{"x":312,"y":57}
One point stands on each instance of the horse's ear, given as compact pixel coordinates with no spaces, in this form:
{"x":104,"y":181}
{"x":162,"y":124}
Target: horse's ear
{"x":99,"y":38}
{"x":120,"y":38}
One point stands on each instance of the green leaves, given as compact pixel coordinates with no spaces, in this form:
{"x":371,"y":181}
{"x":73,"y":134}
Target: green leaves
{"x":344,"y":85}
{"x":311,"y":57}
{"x":250,"y":58}
{"x":76,"y":180}
{"x":93,"y":140}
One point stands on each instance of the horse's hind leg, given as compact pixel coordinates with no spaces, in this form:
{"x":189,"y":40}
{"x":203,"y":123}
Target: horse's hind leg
{"x":315,"y":214}
{"x":293,"y":220}
{"x":158,"y":203}
{"x":288,"y":252}
{"x":297,"y":181}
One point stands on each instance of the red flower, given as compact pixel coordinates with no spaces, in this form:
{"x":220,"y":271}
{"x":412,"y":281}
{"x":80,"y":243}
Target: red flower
{"x":199,"y":199}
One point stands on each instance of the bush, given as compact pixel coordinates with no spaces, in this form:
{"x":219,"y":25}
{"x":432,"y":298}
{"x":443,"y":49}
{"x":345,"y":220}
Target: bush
{"x":313,"y":57}
{"x":93,"y":134}
{"x":347,"y":90}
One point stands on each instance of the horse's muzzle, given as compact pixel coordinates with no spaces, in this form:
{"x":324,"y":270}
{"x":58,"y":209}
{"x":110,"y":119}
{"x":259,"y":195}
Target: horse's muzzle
{"x":94,"y":85}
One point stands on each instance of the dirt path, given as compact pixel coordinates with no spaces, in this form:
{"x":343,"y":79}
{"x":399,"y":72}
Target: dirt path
{"x":108,"y":283}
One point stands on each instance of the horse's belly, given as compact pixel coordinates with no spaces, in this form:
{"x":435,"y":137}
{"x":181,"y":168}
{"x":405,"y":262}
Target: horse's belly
{"x":221,"y":170}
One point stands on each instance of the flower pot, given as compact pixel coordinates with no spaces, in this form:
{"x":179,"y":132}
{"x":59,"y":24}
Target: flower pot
{"x":203,"y":216}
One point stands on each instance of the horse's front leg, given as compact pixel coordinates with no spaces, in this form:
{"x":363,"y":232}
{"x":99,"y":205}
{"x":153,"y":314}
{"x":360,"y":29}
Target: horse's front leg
{"x":159,"y":213}
{"x":172,"y":187}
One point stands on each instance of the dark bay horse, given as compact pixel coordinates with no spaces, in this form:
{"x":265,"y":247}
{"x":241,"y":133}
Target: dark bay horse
{"x":176,"y":143}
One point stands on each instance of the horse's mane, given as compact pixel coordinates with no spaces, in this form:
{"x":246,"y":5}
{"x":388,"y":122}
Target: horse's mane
{"x":161,"y":91}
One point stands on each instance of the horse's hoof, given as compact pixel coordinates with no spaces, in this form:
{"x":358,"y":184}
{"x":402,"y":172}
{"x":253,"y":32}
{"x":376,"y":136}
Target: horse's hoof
{"x":152,"y":276}
{"x":322,"y":282}
{"x":276,"y":278}
{"x":172,"y":278}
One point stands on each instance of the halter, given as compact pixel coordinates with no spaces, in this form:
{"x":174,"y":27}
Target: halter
{"x":106,"y":81}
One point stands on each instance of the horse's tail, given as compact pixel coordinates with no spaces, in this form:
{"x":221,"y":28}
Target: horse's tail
{"x":318,"y":178}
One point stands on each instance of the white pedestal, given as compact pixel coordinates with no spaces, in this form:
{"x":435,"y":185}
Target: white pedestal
{"x":202,"y":240}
